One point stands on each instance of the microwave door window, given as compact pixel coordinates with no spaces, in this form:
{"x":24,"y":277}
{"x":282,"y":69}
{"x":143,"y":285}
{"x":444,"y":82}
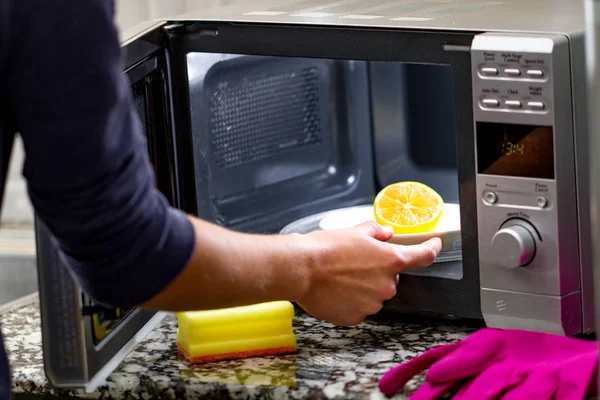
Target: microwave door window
{"x":276,"y":138}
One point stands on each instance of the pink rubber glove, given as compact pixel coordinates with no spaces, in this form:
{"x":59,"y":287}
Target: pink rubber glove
{"x":514,"y":364}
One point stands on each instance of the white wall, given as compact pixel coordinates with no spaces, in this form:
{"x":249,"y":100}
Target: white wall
{"x":130,"y":12}
{"x":17,"y":208}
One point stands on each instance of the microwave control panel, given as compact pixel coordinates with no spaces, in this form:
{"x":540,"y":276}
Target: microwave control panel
{"x":525,"y":169}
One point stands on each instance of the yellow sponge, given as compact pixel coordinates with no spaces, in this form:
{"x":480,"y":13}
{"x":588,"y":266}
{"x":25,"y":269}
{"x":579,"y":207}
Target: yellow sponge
{"x":238,"y":332}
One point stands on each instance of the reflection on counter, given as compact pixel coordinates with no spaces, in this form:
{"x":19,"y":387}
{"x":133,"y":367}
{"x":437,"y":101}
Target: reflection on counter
{"x":264,"y":371}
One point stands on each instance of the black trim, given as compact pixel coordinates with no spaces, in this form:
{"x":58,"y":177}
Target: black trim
{"x":183,"y":129}
{"x":151,"y":78}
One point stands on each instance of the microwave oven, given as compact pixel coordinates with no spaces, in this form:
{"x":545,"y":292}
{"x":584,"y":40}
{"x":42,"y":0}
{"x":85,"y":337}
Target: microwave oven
{"x":265,"y":117}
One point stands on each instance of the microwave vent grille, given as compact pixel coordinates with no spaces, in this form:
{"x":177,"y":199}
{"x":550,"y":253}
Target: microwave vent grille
{"x":259,"y":116}
{"x":139,"y":103}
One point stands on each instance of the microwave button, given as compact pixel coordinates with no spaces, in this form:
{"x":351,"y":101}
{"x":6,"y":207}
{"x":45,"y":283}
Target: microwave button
{"x":490,"y":102}
{"x":542,"y":202}
{"x":489,"y":71}
{"x":513,"y":245}
{"x":536,"y":105}
{"x":535,"y":73}
{"x":513,"y":103}
{"x":490,"y":197}
{"x":512,"y":72}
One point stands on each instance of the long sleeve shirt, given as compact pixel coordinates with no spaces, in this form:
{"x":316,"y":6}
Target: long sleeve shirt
{"x":88,"y":175}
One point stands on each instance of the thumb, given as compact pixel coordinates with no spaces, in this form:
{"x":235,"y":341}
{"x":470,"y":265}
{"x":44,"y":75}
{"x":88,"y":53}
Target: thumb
{"x":417,"y":256}
{"x":376,"y":231}
{"x":395,"y":379}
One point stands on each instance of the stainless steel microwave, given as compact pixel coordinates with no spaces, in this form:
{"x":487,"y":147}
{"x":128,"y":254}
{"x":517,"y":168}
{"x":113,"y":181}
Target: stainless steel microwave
{"x":265,"y":117}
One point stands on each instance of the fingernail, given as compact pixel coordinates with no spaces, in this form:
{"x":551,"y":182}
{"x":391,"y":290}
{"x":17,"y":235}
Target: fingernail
{"x":438,"y":240}
{"x":388,"y":229}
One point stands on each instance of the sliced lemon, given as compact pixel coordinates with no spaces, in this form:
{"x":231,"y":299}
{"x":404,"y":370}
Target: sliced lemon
{"x":408,"y":207}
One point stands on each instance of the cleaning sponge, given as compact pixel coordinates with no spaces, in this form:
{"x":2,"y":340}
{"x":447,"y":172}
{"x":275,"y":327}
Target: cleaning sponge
{"x":238,"y":332}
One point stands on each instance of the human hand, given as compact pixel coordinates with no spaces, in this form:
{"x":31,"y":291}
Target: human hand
{"x":354,"y":271}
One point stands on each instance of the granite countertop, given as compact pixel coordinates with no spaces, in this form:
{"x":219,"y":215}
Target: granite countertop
{"x":332,"y":362}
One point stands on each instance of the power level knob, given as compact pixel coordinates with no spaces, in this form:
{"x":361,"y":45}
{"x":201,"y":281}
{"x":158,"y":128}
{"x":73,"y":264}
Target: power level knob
{"x":514,"y":244}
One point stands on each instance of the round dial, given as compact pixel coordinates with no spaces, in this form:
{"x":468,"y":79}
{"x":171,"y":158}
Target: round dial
{"x":514,"y":244}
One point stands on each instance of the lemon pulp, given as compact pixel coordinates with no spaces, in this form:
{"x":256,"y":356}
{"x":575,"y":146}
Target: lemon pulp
{"x":408,"y":207}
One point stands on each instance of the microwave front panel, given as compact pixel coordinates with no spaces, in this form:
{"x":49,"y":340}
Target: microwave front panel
{"x":526,"y":188}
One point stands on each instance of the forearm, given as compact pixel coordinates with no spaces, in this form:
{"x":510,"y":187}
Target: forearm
{"x":118,"y":235}
{"x":230,"y":269}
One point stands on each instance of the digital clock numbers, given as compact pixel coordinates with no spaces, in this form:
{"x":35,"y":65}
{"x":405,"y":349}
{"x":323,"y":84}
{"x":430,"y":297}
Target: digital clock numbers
{"x":510,"y":148}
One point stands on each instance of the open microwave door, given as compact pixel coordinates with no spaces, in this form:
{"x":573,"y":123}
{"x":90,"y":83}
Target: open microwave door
{"x":83,"y":342}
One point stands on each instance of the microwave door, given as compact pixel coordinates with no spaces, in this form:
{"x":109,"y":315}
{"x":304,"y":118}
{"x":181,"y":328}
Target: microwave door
{"x":83,"y":342}
{"x":288,"y":122}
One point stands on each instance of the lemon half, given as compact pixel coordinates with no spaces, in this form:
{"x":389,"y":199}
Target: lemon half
{"x":408,"y":207}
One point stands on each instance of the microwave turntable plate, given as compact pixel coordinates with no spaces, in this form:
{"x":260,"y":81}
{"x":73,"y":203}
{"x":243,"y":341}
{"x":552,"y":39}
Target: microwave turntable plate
{"x":352,"y":216}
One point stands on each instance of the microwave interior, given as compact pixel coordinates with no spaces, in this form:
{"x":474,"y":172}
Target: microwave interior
{"x":265,"y":127}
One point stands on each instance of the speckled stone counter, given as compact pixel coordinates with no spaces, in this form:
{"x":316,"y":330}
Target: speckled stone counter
{"x":332,"y":362}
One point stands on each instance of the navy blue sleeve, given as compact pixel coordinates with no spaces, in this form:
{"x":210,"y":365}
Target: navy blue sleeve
{"x":88,"y":174}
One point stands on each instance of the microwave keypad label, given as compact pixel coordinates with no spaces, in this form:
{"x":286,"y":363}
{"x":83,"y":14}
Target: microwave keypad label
{"x":541,"y":187}
{"x":511,"y":58}
{"x":517,"y":214}
{"x":534,"y":61}
{"x":516,"y":90}
{"x":492,"y":56}
{"x":536,"y":91}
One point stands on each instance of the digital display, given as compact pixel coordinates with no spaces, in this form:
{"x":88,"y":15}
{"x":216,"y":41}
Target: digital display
{"x":515,"y":150}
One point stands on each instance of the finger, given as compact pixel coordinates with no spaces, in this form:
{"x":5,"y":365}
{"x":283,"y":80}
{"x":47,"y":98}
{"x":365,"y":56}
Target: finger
{"x":429,"y":391}
{"x":473,"y":357}
{"x":491,"y":383}
{"x":539,"y":385}
{"x":376,"y":231}
{"x":417,"y":256}
{"x":578,"y":374}
{"x":397,"y":377}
